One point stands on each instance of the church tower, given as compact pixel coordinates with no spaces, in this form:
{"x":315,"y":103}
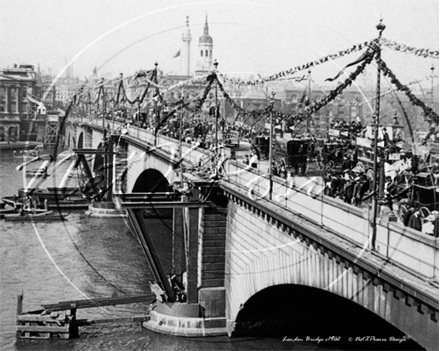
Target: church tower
{"x":204,"y":62}
{"x":185,"y":54}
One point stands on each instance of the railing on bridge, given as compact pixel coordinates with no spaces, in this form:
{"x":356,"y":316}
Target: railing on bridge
{"x":409,"y":248}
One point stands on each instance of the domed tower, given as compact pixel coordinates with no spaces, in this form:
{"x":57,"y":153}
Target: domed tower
{"x":204,"y":63}
{"x":186,"y":53}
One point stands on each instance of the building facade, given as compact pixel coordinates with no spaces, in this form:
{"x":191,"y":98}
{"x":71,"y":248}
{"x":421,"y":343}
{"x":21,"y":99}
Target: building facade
{"x":15,"y":84}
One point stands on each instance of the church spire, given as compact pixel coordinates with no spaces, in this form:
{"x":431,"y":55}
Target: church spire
{"x":204,"y":62}
{"x":206,"y":29}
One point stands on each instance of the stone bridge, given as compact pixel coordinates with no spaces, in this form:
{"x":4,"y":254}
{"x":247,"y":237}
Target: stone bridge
{"x":247,"y":251}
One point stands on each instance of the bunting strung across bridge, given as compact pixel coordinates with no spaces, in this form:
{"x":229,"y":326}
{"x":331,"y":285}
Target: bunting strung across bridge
{"x":357,"y":102}
{"x":306,"y":66}
{"x":429,"y":113}
{"x":408,"y":49}
{"x":215,"y":78}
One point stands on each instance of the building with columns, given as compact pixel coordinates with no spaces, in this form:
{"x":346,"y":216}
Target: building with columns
{"x":15,"y":84}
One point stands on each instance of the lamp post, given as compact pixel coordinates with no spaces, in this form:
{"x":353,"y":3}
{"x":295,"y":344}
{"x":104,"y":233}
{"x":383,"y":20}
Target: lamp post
{"x":378,"y":194}
{"x":271,"y":102}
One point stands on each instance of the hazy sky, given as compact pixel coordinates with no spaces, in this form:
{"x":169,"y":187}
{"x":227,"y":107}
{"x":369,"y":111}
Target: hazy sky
{"x":264,"y":36}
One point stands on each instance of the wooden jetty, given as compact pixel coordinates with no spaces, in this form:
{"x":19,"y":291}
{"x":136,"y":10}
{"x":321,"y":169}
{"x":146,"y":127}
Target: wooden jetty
{"x":59,"y":320}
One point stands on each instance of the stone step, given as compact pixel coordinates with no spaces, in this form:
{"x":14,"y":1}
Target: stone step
{"x":214,"y":224}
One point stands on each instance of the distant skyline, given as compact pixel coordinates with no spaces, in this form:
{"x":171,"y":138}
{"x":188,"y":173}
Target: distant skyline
{"x":250,"y":38}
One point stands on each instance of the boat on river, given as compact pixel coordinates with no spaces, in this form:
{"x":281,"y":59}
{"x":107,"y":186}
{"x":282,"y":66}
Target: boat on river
{"x":25,"y":154}
{"x":39,"y":172}
{"x":35,"y":217}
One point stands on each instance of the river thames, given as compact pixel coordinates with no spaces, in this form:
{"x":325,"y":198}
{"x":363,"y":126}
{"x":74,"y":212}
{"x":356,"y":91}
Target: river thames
{"x":87,"y":257}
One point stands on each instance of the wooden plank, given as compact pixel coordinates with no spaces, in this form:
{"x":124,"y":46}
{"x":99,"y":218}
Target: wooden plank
{"x":66,"y":305}
{"x":32,"y":318}
{"x":42,"y":329}
{"x":86,"y":322}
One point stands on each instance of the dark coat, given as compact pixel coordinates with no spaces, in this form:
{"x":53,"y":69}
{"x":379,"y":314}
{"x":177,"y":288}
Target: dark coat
{"x":415,"y":223}
{"x":407,"y":217}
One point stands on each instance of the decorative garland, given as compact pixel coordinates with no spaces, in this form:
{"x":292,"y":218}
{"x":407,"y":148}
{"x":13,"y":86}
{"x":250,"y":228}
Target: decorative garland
{"x":333,"y":94}
{"x":430,"y":115}
{"x":291,"y":71}
{"x":166,"y":88}
{"x":237,"y":106}
{"x":407,"y":49}
{"x":356,"y":102}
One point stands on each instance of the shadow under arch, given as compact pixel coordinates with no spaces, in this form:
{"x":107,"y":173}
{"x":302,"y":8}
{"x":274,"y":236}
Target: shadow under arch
{"x":306,"y":314}
{"x":98,"y":164}
{"x":80,"y":141}
{"x":151,"y":180}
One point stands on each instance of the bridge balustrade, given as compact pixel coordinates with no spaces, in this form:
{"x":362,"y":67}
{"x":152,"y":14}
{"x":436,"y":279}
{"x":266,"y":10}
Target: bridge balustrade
{"x":406,"y":247}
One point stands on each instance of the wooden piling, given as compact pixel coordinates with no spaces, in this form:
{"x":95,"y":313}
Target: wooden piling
{"x":19,"y":304}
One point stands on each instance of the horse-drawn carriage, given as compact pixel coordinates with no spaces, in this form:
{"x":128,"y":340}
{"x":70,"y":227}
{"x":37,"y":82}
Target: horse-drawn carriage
{"x":261,"y":143}
{"x":295,"y":154}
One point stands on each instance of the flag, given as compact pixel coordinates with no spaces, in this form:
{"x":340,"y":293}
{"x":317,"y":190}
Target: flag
{"x":177,"y":54}
{"x":142,"y":74}
{"x":363,"y":57}
{"x":304,"y":98}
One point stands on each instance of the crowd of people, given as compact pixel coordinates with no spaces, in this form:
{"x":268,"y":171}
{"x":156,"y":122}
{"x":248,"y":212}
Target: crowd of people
{"x":344,"y":177}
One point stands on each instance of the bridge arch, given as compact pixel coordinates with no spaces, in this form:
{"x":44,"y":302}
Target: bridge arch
{"x":151,"y":180}
{"x":81,"y":141}
{"x":290,"y":311}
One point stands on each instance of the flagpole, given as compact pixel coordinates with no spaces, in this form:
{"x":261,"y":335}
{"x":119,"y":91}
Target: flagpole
{"x":378,"y":193}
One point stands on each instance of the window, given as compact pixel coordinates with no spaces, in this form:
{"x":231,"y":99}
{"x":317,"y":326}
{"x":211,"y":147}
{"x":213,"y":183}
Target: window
{"x":201,"y":53}
{"x":206,"y":53}
{"x":353,"y":111}
{"x":210,"y":53}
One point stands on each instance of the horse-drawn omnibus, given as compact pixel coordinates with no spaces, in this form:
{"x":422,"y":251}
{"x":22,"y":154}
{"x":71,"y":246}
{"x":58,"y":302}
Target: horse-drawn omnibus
{"x":294,"y":152}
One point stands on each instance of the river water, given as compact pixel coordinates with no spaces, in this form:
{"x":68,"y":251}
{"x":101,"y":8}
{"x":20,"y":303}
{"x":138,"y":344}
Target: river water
{"x":83,"y":258}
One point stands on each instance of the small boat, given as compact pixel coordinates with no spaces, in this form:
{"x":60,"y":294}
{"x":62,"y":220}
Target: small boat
{"x":26,"y":154}
{"x":36,"y":217}
{"x":69,"y":205}
{"x":7,"y":210}
{"x":12,"y":201}
{"x":36,"y":173}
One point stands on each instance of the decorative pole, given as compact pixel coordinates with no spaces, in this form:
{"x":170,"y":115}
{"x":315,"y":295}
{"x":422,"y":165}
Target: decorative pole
{"x":271,"y":102}
{"x":180,"y":143}
{"x":310,"y":99}
{"x":155,"y":107}
{"x":216,"y":109}
{"x":103,"y":102}
{"x":378,"y":193}
{"x":432,"y":86}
